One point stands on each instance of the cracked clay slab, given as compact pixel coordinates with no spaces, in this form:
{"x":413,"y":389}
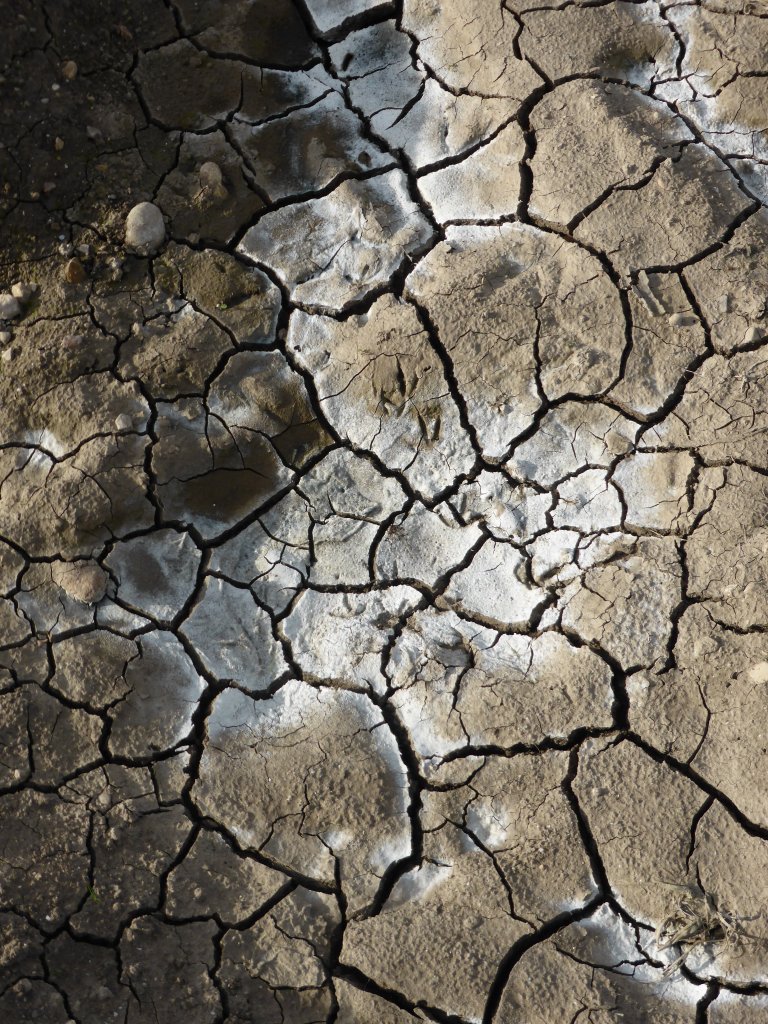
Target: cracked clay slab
{"x":383,"y":512}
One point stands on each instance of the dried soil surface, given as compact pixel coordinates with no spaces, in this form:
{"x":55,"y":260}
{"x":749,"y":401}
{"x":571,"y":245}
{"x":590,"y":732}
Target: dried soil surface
{"x":383,"y":512}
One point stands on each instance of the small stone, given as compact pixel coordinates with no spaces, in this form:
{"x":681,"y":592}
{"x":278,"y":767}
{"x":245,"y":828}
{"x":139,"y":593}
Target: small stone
{"x":754,"y":333}
{"x":725,"y":303}
{"x":212,"y":180}
{"x":82,"y":581}
{"x":9,"y":354}
{"x":9,"y":307}
{"x":123,"y":421}
{"x":114,"y":268}
{"x":48,"y":187}
{"x":75,"y":272}
{"x":5,"y":337}
{"x":210,"y":175}
{"x":145,"y":229}
{"x":23,"y":291}
{"x":69,"y":70}
{"x":103,"y":801}
{"x":58,"y":143}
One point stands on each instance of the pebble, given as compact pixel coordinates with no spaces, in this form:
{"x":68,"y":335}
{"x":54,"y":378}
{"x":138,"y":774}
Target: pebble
{"x":23,"y":291}
{"x":58,"y":143}
{"x":114,"y":267}
{"x":9,"y":307}
{"x":145,"y":229}
{"x":5,"y":337}
{"x":123,"y":421}
{"x":212,"y":179}
{"x":75,"y":272}
{"x":754,"y":334}
{"x":69,"y":70}
{"x":9,"y":354}
{"x":210,"y":175}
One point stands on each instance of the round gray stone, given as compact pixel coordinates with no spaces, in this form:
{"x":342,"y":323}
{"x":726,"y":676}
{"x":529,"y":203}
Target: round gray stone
{"x":145,"y":229}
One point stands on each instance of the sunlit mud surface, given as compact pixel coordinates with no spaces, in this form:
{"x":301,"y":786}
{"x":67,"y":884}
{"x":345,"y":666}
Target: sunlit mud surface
{"x":383,"y":512}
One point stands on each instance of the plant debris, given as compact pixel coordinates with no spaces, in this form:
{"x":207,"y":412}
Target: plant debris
{"x":696,"y":921}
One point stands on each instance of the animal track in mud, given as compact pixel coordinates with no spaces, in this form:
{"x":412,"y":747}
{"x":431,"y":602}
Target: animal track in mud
{"x":382,"y":628}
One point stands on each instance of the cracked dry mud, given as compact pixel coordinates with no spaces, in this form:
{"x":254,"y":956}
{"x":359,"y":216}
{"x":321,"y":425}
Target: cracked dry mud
{"x":383,"y":551}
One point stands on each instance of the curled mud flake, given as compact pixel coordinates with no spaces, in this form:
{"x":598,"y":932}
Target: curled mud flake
{"x":83,"y":581}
